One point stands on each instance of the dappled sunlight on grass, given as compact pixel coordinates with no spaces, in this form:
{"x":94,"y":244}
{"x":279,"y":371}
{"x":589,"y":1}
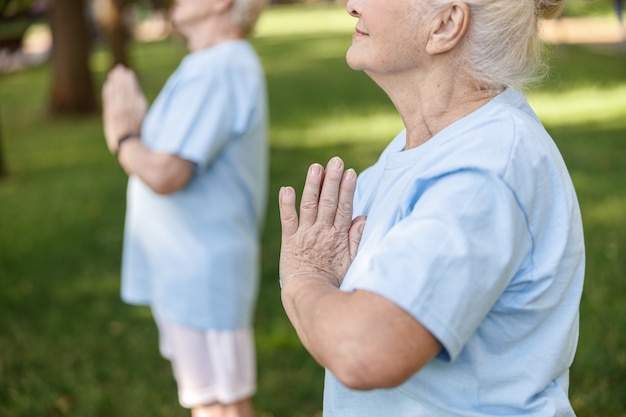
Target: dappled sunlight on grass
{"x":100,"y":61}
{"x":579,"y":106}
{"x":607,"y":212}
{"x":341,"y":127}
{"x":301,"y":54}
{"x":305,"y":20}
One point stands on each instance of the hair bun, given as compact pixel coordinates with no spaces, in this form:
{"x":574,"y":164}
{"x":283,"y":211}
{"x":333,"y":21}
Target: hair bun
{"x":548,"y":9}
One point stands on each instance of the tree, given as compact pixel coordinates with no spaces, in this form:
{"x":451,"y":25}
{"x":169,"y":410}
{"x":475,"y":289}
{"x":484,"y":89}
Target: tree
{"x":109,"y":15}
{"x":72,"y":84}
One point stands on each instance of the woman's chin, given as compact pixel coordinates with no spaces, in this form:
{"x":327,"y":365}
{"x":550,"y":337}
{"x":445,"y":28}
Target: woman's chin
{"x":353,"y":61}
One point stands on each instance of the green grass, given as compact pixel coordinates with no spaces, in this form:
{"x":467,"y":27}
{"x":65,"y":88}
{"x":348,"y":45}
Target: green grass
{"x":589,"y":7}
{"x":70,"y":347}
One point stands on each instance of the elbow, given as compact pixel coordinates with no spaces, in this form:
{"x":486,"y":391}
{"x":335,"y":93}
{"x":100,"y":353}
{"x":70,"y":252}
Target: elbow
{"x":166,"y":181}
{"x":366,"y":373}
{"x":165,"y":187}
{"x":162,"y":190}
{"x":168,"y":174}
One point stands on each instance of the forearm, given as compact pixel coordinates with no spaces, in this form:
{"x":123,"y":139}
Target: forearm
{"x":316,"y":310}
{"x":163,"y":173}
{"x":365,"y":340}
{"x":303,"y":303}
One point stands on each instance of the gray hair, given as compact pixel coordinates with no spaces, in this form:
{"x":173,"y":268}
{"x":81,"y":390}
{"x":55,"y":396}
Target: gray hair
{"x":503,"y":46}
{"x":245,"y":13}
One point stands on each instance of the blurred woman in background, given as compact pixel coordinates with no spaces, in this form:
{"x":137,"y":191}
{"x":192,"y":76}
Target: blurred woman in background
{"x":197,"y":166}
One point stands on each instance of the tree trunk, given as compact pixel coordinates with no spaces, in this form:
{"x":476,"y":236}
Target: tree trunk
{"x":110,"y":18}
{"x":72,"y":84}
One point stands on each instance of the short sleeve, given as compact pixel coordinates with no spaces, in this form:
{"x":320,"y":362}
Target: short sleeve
{"x":457,"y":242}
{"x":194,"y":118}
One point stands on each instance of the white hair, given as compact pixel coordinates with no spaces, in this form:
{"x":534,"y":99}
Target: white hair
{"x":245,"y":13}
{"x":502,"y":47}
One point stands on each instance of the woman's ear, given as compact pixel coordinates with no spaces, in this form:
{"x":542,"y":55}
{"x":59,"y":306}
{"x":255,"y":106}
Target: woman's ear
{"x":450,"y":26}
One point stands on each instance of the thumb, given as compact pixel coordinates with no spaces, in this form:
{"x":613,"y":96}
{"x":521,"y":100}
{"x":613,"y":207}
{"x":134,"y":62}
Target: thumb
{"x":354,"y":236}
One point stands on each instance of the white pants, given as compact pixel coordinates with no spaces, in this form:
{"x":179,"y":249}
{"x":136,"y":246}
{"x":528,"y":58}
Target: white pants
{"x":209,"y":365}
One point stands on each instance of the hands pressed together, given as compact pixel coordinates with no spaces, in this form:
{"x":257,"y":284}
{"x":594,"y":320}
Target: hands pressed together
{"x":322,"y":243}
{"x":317,"y":250}
{"x":123,"y":106}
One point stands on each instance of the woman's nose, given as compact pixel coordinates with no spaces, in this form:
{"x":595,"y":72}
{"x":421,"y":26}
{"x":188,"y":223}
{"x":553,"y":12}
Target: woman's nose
{"x":352,"y":9}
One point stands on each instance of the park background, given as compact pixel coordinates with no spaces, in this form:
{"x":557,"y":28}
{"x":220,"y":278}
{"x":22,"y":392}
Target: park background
{"x":70,"y":347}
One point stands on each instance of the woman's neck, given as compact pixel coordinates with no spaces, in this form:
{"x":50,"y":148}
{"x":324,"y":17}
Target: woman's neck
{"x":429,"y":102}
{"x":207,"y":34}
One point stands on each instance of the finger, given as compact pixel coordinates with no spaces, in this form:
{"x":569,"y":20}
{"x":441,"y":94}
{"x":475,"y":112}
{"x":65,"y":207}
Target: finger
{"x":111,"y":89}
{"x":109,"y":95}
{"x":311,"y":195}
{"x":126,"y":83}
{"x":115,"y":73}
{"x":329,"y":196}
{"x":355,"y":234}
{"x":343,"y":216}
{"x":126,"y":76}
{"x":135,"y":80}
{"x":288,"y":213}
{"x":120,"y":76}
{"x":106,"y":88}
{"x":120,"y":70}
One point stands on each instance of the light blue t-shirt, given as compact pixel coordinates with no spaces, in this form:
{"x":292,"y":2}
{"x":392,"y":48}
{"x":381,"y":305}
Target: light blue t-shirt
{"x":477,"y":234}
{"x":194,"y":255}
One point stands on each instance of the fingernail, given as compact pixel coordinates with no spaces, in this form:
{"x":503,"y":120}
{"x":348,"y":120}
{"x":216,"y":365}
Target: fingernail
{"x":350,"y":174}
{"x":335,"y":163}
{"x":315,"y":169}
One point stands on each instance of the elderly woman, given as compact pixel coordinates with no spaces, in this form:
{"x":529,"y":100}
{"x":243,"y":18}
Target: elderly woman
{"x":196,"y":200}
{"x":446,"y":280}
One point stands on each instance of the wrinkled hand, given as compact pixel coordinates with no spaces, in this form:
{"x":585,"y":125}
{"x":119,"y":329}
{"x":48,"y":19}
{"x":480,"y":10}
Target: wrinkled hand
{"x":324,"y":241}
{"x":123,"y":105}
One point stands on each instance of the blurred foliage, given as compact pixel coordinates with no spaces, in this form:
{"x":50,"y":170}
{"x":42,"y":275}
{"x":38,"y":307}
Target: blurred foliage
{"x":11,"y":8}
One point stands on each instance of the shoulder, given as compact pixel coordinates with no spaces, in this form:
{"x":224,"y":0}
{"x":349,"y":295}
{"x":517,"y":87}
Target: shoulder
{"x":501,"y":136}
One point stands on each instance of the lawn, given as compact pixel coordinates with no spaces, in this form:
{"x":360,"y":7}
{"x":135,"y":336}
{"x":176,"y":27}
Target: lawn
{"x":70,"y":347}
